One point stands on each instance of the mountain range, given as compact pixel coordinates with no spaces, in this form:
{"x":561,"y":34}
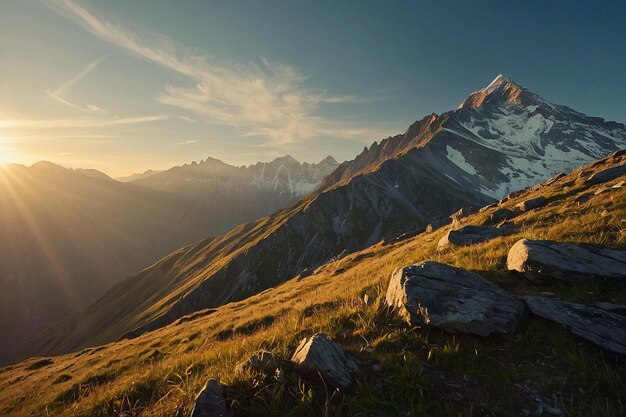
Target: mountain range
{"x":68,"y":235}
{"x":500,"y":139}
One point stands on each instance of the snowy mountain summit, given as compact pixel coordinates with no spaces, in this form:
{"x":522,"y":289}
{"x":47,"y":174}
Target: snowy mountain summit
{"x":500,"y":139}
{"x":505,"y":138}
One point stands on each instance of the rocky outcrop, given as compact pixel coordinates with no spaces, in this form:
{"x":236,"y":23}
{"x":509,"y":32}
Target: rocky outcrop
{"x":542,"y":260}
{"x":318,"y":356}
{"x":532,"y":203}
{"x":469,"y":235}
{"x":606,"y":175}
{"x":601,"y":327}
{"x":211,"y":402}
{"x":453,"y":299}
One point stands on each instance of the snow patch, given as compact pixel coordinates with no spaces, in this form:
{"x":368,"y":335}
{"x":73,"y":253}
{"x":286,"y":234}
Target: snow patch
{"x":457,"y":158}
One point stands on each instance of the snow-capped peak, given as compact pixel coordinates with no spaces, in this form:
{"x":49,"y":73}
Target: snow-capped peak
{"x":501,"y":89}
{"x":497,"y":82}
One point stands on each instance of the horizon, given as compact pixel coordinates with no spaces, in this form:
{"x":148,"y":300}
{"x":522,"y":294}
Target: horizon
{"x":124,"y":88}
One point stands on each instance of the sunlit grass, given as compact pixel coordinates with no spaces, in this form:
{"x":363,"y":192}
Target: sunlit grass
{"x":159,"y":373}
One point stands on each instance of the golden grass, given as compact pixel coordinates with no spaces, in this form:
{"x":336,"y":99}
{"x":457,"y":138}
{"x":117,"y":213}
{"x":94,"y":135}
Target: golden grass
{"x":159,"y":373}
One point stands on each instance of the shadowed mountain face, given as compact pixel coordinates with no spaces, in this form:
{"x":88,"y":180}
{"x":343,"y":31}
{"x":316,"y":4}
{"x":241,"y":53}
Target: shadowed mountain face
{"x":502,"y":138}
{"x":69,"y":235}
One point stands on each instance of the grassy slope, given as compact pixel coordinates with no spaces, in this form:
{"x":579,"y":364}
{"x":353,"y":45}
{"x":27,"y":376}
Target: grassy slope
{"x":425,"y":371}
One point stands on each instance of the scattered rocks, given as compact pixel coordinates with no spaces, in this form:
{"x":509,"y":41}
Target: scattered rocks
{"x":488,"y":207}
{"x":532,"y":203}
{"x":469,"y":235}
{"x":555,"y":178}
{"x":601,"y":327}
{"x":543,"y":260}
{"x":320,"y":356}
{"x":211,"y":402}
{"x":500,"y":215}
{"x":618,"y":154}
{"x":606,"y":175}
{"x":452,"y":299}
{"x":261,"y":363}
{"x":456,"y":217}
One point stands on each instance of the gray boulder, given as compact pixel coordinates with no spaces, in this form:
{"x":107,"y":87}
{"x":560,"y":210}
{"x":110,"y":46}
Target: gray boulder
{"x":453,"y":299}
{"x":606,"y":175}
{"x":211,"y":402}
{"x":532,"y":203}
{"x":500,"y":215}
{"x":543,"y":260}
{"x":469,"y":235}
{"x":320,"y":356}
{"x":601,"y":327}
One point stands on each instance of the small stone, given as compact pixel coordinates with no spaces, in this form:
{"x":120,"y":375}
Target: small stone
{"x":500,"y":215}
{"x":532,"y":203}
{"x":211,"y":402}
{"x":555,"y":178}
{"x":319,"y":355}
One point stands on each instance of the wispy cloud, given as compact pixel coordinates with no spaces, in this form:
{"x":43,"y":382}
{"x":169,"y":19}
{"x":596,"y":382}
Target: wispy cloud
{"x":18,"y":124}
{"x":265,"y":99}
{"x":185,"y":142}
{"x":61,"y":93}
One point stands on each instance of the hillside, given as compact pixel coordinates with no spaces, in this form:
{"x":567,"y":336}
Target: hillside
{"x":492,"y":144}
{"x":69,"y":235}
{"x":540,"y":368}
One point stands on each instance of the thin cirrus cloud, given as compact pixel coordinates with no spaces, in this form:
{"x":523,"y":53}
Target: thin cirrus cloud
{"x":264,"y":99}
{"x":61,"y":93}
{"x":185,"y":142}
{"x":26,"y":124}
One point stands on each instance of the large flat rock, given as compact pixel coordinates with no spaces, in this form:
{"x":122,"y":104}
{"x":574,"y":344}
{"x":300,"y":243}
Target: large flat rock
{"x":453,"y":299}
{"x":543,"y":260}
{"x":607,"y":175}
{"x":319,"y":355}
{"x":607,"y":329}
{"x":469,"y":235}
{"x":532,"y":203}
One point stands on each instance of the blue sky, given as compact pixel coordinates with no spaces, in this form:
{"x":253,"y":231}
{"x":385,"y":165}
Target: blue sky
{"x":126,"y":86}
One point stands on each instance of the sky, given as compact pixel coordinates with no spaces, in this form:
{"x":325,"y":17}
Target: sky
{"x":126,"y":86}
